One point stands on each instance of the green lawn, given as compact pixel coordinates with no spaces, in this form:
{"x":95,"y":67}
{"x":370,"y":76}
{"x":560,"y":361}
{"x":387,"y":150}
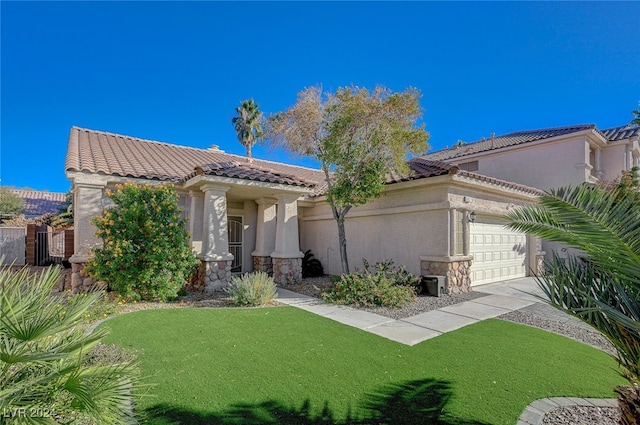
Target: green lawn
{"x":284,"y":365}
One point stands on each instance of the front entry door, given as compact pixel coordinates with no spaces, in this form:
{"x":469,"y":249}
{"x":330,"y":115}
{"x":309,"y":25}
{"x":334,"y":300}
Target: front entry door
{"x":234,"y":226}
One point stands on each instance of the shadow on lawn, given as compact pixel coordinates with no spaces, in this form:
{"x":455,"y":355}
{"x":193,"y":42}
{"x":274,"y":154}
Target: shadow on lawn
{"x":414,"y":402}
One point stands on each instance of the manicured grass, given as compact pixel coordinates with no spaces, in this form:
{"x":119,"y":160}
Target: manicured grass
{"x":284,"y":365}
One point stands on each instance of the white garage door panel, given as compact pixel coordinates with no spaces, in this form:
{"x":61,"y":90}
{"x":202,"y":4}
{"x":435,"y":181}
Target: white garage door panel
{"x":498,"y":253}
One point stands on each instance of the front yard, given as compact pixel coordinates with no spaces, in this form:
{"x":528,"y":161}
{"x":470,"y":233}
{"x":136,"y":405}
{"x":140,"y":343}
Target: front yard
{"x":284,"y":365}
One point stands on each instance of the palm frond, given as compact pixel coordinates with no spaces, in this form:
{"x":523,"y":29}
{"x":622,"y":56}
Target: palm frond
{"x":592,"y":220}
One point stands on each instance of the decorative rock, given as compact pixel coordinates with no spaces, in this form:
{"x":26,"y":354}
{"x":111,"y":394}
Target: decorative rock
{"x":217,"y":275}
{"x":263,"y":264}
{"x":87,"y":283}
{"x":457,"y":274}
{"x":287,"y":271}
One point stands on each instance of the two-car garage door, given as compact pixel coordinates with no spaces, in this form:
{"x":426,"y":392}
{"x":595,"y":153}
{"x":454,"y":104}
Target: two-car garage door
{"x":498,"y":253}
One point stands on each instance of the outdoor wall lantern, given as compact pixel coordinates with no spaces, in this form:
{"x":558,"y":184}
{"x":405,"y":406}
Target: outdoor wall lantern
{"x":472,"y":217}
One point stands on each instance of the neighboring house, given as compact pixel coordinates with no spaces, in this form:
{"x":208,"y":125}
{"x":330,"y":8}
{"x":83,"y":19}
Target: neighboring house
{"x":38,"y":202}
{"x":550,"y":158}
{"x":249,"y":214}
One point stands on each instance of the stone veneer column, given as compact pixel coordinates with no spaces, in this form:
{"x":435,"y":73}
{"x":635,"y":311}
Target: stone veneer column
{"x":287,"y":257}
{"x":87,"y":203}
{"x":265,"y":235}
{"x":216,"y":258}
{"x":455,"y":269}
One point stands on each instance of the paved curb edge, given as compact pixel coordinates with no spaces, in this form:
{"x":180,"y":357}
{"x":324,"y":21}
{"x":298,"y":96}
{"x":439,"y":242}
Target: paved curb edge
{"x":534,"y":413}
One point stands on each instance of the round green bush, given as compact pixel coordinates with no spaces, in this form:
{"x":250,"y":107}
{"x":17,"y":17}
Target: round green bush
{"x":146,"y":253}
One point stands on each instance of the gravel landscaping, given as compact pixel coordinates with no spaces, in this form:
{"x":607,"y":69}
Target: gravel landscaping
{"x":582,"y":415}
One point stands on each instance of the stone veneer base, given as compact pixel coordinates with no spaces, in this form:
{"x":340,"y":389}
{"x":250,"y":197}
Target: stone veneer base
{"x":80,"y":280}
{"x":287,"y":271}
{"x":263,"y":264}
{"x":457,"y":274}
{"x":216,"y":275}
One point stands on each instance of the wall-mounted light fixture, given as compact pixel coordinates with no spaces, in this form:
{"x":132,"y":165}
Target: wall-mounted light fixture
{"x":472,"y":217}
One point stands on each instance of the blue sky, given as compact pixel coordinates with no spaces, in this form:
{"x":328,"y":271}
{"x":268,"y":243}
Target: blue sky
{"x":175,"y":72}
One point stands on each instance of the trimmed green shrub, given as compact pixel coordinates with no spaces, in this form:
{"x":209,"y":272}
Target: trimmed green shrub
{"x":366,"y":289}
{"x":145,"y":253}
{"x":252,"y":289}
{"x":50,"y":371}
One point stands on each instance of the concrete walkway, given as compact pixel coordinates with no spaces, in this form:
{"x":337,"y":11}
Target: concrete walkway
{"x":499,"y":298}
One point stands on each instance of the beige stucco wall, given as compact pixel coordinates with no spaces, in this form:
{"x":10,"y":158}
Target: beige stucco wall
{"x":614,"y":160}
{"x":543,"y":166}
{"x":376,"y":237}
{"x":557,"y":162}
{"x":410,"y":220}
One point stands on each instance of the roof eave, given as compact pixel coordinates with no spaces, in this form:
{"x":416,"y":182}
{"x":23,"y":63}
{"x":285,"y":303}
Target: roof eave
{"x":199,"y":180}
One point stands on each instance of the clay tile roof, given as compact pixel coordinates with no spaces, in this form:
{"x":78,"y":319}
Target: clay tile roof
{"x":501,"y":183}
{"x":249,"y":171}
{"x":421,"y":168}
{"x":510,"y":139}
{"x":620,"y":133}
{"x":105,"y":153}
{"x":424,"y":168}
{"x":38,"y":202}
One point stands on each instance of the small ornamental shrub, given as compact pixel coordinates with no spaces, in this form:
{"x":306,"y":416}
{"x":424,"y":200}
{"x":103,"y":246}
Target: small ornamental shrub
{"x":252,"y":289}
{"x":311,"y":267}
{"x":366,"y":289}
{"x":145,"y":253}
{"x":397,"y":275}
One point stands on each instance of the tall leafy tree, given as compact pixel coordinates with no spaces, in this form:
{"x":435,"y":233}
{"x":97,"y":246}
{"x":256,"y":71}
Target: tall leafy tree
{"x":601,"y":285}
{"x":358,"y":136}
{"x":248,"y":124}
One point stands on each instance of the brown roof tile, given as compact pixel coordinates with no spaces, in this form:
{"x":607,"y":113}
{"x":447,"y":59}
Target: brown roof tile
{"x":114,"y":154}
{"x":249,"y":171}
{"x":510,"y":139}
{"x":38,"y":202}
{"x":621,"y":133}
{"x":423,"y":168}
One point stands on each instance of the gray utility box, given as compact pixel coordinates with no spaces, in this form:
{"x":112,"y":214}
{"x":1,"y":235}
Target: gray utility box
{"x":434,"y":285}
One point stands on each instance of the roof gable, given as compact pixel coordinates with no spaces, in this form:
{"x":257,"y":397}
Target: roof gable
{"x":105,"y":153}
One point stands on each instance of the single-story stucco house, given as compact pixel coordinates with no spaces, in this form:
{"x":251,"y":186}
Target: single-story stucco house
{"x":250,"y":214}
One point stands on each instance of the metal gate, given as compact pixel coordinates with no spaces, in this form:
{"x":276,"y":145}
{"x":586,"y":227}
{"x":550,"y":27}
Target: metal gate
{"x":50,"y":248}
{"x":235,"y":242}
{"x":13,"y":246}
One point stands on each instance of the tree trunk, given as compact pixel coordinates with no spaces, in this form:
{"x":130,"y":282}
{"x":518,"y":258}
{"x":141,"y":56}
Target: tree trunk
{"x":342,"y":236}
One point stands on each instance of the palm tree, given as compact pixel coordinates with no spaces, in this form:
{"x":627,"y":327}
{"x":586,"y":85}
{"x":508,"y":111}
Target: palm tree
{"x":636,"y":116}
{"x":247,"y":124}
{"x":46,"y":368}
{"x":601,"y":284}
